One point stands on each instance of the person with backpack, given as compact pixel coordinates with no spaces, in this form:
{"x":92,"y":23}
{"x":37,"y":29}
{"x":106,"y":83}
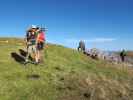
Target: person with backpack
{"x":31,"y":44}
{"x":122,"y":55}
{"x":81,"y":46}
{"x":40,"y":41}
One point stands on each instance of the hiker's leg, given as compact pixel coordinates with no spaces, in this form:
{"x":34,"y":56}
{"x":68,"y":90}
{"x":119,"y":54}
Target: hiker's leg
{"x":36,"y":57}
{"x":78,"y":48}
{"x":35,"y":52}
{"x":40,"y":51}
{"x":29,"y":49}
{"x":123,"y":59}
{"x":39,"y":58}
{"x":84,"y":49}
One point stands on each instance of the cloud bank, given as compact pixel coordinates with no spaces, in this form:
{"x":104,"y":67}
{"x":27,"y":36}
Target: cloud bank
{"x":92,"y":40}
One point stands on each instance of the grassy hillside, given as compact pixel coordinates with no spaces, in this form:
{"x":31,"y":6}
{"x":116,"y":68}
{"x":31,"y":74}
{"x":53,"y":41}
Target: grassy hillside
{"x":65,"y":75}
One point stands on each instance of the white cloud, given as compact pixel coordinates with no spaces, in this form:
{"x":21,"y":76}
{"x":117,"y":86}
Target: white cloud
{"x":101,"y":40}
{"x":93,"y":40}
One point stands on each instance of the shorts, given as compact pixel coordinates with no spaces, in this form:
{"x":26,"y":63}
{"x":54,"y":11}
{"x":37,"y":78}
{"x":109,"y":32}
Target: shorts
{"x":31,"y":49}
{"x":40,"y":46}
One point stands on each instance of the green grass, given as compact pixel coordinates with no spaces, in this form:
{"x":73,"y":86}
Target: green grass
{"x":65,"y":75}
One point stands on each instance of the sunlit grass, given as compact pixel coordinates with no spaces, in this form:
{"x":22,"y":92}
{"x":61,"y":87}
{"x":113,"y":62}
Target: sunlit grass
{"x":65,"y":75}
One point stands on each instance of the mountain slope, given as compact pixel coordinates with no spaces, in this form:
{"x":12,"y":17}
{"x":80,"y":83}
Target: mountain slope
{"x":65,"y":75}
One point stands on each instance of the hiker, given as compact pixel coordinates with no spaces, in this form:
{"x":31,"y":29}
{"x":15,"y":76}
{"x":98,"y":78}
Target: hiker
{"x":81,"y":46}
{"x":122,"y":55}
{"x":40,"y":41}
{"x":31,"y":44}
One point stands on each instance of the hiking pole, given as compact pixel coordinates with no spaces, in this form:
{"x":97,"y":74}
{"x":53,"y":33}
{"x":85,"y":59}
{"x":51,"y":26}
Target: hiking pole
{"x":46,"y":54}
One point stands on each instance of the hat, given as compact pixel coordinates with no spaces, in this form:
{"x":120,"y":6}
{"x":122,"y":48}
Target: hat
{"x":33,"y":26}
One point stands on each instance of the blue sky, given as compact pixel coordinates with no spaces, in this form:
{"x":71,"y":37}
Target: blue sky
{"x":104,"y":24}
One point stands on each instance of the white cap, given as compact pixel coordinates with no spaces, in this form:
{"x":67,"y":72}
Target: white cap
{"x":33,"y":26}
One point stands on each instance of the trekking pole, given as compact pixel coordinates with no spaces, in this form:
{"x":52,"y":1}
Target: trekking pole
{"x":46,"y":53}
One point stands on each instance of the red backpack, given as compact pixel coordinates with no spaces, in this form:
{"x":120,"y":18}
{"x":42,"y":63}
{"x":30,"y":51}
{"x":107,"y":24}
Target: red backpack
{"x":41,"y":37}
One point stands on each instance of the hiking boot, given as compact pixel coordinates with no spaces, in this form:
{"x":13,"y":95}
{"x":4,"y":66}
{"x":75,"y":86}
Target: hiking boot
{"x":26,"y":60}
{"x":25,"y":63}
{"x":36,"y":63}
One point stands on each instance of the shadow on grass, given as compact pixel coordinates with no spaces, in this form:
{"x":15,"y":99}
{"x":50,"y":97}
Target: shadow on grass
{"x":18,"y":58}
{"x":24,"y":54}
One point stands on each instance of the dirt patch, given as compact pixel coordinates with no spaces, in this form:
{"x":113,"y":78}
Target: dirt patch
{"x":33,"y":76}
